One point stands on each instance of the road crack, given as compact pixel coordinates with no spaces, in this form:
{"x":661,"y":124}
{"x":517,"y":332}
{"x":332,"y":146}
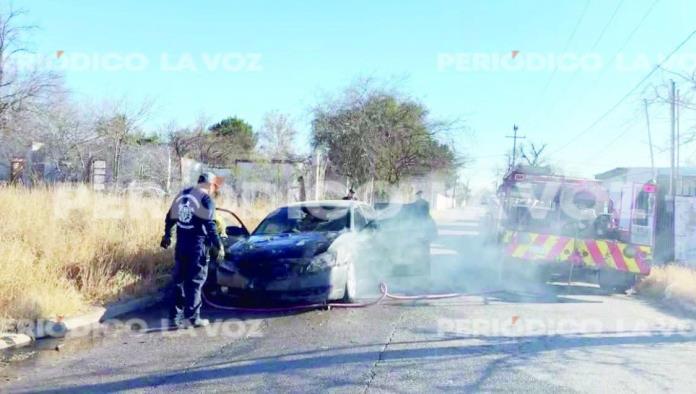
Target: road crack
{"x":208,"y":356}
{"x":380,"y":356}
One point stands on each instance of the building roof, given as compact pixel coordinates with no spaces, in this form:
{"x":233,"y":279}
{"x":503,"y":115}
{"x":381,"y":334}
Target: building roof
{"x":647,"y":171}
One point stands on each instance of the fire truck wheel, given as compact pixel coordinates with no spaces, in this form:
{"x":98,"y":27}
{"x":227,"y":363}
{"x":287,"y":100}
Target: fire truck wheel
{"x":615,"y":281}
{"x":544,"y":273}
{"x":525,"y":271}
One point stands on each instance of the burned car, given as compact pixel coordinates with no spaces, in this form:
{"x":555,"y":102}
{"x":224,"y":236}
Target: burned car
{"x":297,"y":253}
{"x":309,"y":252}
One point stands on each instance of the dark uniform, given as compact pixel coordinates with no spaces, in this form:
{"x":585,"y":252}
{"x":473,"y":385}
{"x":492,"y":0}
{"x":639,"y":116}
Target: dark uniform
{"x":192,"y":212}
{"x":350,"y":195}
{"x":421,"y":205}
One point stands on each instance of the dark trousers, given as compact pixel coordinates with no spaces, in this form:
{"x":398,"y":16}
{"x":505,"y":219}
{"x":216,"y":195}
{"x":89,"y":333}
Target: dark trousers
{"x":190,"y":273}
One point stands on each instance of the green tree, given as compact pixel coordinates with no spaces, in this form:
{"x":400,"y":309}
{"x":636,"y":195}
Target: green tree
{"x":377,"y":133}
{"x":217,"y":145}
{"x":236,"y":131}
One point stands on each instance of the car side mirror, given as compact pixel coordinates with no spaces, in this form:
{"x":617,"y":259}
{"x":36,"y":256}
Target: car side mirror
{"x":237,"y":232}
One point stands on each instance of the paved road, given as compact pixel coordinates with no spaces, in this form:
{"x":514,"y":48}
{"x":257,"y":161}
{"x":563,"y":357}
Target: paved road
{"x":545,"y":339}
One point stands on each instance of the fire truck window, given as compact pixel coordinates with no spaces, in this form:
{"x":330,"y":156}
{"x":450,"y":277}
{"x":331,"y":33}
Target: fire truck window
{"x":584,"y":200}
{"x":521,"y":190}
{"x":640,"y":209}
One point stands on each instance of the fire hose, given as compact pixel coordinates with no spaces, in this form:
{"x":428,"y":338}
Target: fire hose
{"x":383,"y":289}
{"x":384,"y":294}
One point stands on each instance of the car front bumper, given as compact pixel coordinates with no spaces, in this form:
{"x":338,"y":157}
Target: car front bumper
{"x":314,"y":287}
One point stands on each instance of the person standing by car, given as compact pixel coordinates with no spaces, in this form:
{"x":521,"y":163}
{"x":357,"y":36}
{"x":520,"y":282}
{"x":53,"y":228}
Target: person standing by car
{"x":193,"y":214}
{"x":350,"y":195}
{"x":422,"y":206}
{"x":214,"y":251}
{"x":426,"y":231}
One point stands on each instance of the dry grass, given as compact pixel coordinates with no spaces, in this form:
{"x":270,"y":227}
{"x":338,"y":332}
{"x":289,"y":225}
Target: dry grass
{"x":670,"y":282}
{"x":64,"y":249}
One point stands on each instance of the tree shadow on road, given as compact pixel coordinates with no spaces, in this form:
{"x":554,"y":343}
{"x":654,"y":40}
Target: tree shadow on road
{"x":421,"y":352}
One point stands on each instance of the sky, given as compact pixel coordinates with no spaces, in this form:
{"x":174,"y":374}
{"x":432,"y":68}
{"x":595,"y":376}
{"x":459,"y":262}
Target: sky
{"x":557,"y":69}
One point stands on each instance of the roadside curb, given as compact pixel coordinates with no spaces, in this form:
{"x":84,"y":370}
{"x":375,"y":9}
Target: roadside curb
{"x":11,"y":341}
{"x":132,"y":305}
{"x":84,"y":323}
{"x":673,"y":304}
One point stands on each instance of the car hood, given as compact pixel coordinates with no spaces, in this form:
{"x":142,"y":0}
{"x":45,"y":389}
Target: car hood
{"x":282,"y":246}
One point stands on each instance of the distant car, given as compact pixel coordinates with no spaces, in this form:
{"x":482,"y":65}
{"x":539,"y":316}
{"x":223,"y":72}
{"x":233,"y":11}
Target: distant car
{"x":308,"y":252}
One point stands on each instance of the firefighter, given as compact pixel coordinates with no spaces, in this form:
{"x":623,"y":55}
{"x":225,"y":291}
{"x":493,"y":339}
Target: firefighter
{"x":422,"y":206}
{"x":214,"y":251}
{"x":350,"y":195}
{"x":425,"y":231}
{"x":193,"y":213}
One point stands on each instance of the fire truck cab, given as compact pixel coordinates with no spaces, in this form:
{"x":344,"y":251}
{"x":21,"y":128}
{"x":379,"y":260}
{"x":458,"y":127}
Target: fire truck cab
{"x":573,"y":226}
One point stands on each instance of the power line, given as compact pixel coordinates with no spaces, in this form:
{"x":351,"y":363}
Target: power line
{"x":565,"y":47}
{"x":625,"y":131}
{"x":606,"y":26}
{"x":594,"y":46}
{"x":625,"y":96}
{"x":635,"y":29}
{"x":628,"y":39}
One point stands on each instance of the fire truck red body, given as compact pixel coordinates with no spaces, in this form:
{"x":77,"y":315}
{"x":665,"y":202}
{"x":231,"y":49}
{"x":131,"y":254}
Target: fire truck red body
{"x":572,"y":224}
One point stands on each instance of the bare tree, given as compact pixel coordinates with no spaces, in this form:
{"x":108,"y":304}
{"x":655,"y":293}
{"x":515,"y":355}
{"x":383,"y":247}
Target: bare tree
{"x":277,"y":135}
{"x":120,"y":120}
{"x":180,"y":142}
{"x":533,"y":156}
{"x":68,"y":132}
{"x":659,"y":94}
{"x":20,"y":84}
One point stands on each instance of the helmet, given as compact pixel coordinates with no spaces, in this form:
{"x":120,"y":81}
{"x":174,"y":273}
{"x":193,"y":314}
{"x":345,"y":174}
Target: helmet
{"x":212,"y":179}
{"x":206,"y":177}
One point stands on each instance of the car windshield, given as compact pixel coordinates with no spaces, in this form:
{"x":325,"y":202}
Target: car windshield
{"x":305,"y":219}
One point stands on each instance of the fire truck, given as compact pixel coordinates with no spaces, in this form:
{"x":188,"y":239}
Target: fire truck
{"x":573,"y":227}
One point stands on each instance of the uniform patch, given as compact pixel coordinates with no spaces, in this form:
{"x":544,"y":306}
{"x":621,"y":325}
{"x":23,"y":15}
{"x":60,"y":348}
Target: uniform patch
{"x":185,"y":212}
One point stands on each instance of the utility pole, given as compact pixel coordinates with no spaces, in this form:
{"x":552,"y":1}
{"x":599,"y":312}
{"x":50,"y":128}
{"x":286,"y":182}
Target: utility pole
{"x":671,"y":205}
{"x":672,"y":175}
{"x":318,"y":182}
{"x":514,"y":137}
{"x":652,"y":155}
{"x":677,"y":115}
{"x":498,"y":173}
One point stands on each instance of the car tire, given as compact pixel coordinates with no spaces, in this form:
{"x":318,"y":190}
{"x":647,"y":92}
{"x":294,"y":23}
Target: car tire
{"x":615,"y":281}
{"x":351,"y":285}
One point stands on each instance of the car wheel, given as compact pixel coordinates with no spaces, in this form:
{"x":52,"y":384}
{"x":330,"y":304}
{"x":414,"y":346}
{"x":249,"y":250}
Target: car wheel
{"x":351,"y":285}
{"x":615,"y":281}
